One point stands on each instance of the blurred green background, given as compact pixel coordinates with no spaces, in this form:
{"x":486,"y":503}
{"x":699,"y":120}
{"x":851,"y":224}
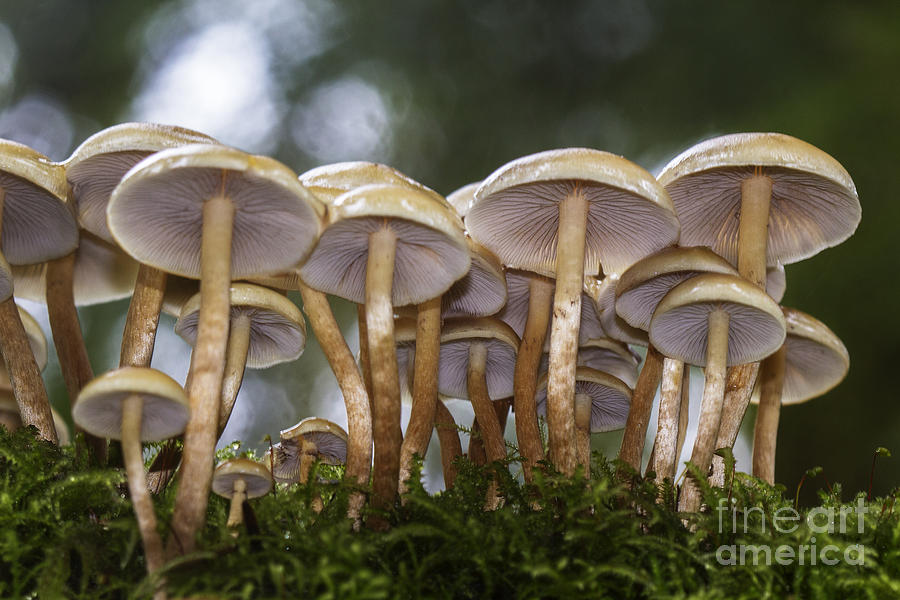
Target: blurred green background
{"x":448,"y":91}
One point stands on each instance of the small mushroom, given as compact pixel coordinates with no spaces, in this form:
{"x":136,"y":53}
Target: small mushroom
{"x":714,"y":320}
{"x":312,"y":439}
{"x":240,"y":479}
{"x":135,"y":405}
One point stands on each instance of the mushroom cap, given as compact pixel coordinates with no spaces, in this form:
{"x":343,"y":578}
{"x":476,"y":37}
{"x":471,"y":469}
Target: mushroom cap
{"x":38,"y":224}
{"x":431,"y":247}
{"x":501,"y":343}
{"x":644,"y":284}
{"x":329,"y":438}
{"x":178,"y":291}
{"x":7,"y":280}
{"x":776,"y":282}
{"x":165,"y":409}
{"x":815,"y":359}
{"x":102,"y":273}
{"x":516,"y":210}
{"x":814,"y":202}
{"x":515,"y":313}
{"x":463,"y":198}
{"x":287,"y":281}
{"x":254,"y":474}
{"x":606,"y":355}
{"x":603,"y":293}
{"x":155,"y":213}
{"x":330,"y":181}
{"x":610,"y":398}
{"x":680,"y":324}
{"x":96,"y":166}
{"x":481,"y":292}
{"x":277,"y":327}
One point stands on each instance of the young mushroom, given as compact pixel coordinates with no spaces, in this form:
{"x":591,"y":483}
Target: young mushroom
{"x":212,"y":213}
{"x":811,"y":361}
{"x":714,"y":320}
{"x":135,"y":405}
{"x":564,"y":213}
{"x":240,"y":479}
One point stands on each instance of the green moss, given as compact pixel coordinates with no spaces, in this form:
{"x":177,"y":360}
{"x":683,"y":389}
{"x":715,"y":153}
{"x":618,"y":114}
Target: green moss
{"x":68,"y":532}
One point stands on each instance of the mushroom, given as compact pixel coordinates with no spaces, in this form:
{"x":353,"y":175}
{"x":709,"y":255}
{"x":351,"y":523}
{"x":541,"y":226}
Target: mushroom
{"x":386,"y":245}
{"x":306,"y":442}
{"x":601,"y":404}
{"x":240,"y":479}
{"x":637,"y":294}
{"x":135,"y":405}
{"x":212,"y":213}
{"x":760,"y":199}
{"x":811,"y":362}
{"x":265,"y":329}
{"x":714,"y":320}
{"x":584,"y":208}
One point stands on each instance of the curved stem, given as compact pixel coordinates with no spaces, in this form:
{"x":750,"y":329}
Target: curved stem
{"x":142,"y":321}
{"x":528,"y":433}
{"x":583,"y":405}
{"x":753,"y":233}
{"x":448,"y":435}
{"x":476,"y":382}
{"x":364,"y":354}
{"x":710,"y":407}
{"x":383,"y":365}
{"x":207,"y":367}
{"x":766,"y":432}
{"x":236,"y":509}
{"x":684,"y":412}
{"x":573,"y":210}
{"x":632,"y":449}
{"x":24,"y":375}
{"x":132,"y":453}
{"x":476,"y":445}
{"x":68,"y":339}
{"x":666,"y":442}
{"x":739,"y":383}
{"x":235,"y":363}
{"x":353,"y":388}
{"x":425,"y":386}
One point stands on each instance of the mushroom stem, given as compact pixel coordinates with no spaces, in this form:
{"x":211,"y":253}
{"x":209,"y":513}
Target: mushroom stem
{"x":739,"y":384}
{"x":753,"y":230}
{"x":451,"y":448}
{"x":476,"y":447}
{"x":353,"y":388}
{"x":710,"y":407}
{"x":685,"y":411}
{"x":236,"y":509}
{"x":139,"y":336}
{"x":425,"y":386}
{"x":207,"y":367}
{"x":133,"y":456}
{"x":383,"y":365}
{"x":573,"y":210}
{"x":364,"y":354}
{"x":307,"y":460}
{"x":583,"y":432}
{"x":68,"y":339}
{"x":528,"y":359}
{"x":766,"y":432}
{"x":24,"y":375}
{"x":664,"y":447}
{"x":632,"y":450}
{"x":476,"y":384}
{"x":235,"y":363}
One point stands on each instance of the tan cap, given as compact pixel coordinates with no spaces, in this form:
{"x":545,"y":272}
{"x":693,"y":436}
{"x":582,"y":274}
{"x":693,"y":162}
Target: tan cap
{"x":277,"y":327}
{"x":95,"y":168}
{"x":155,"y":213}
{"x":680,"y":324}
{"x":603,"y":295}
{"x":501,"y":343}
{"x":482,"y":290}
{"x":165,"y":405}
{"x":516,"y":212}
{"x":610,"y":398}
{"x":254,"y":474}
{"x":38,"y":223}
{"x":329,"y":438}
{"x":814,"y":204}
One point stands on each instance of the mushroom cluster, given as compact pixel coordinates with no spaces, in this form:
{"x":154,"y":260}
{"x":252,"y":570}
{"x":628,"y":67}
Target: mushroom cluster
{"x":530,"y":289}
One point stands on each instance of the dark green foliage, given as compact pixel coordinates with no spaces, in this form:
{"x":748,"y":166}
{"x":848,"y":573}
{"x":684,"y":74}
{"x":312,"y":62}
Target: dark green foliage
{"x":69,"y":532}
